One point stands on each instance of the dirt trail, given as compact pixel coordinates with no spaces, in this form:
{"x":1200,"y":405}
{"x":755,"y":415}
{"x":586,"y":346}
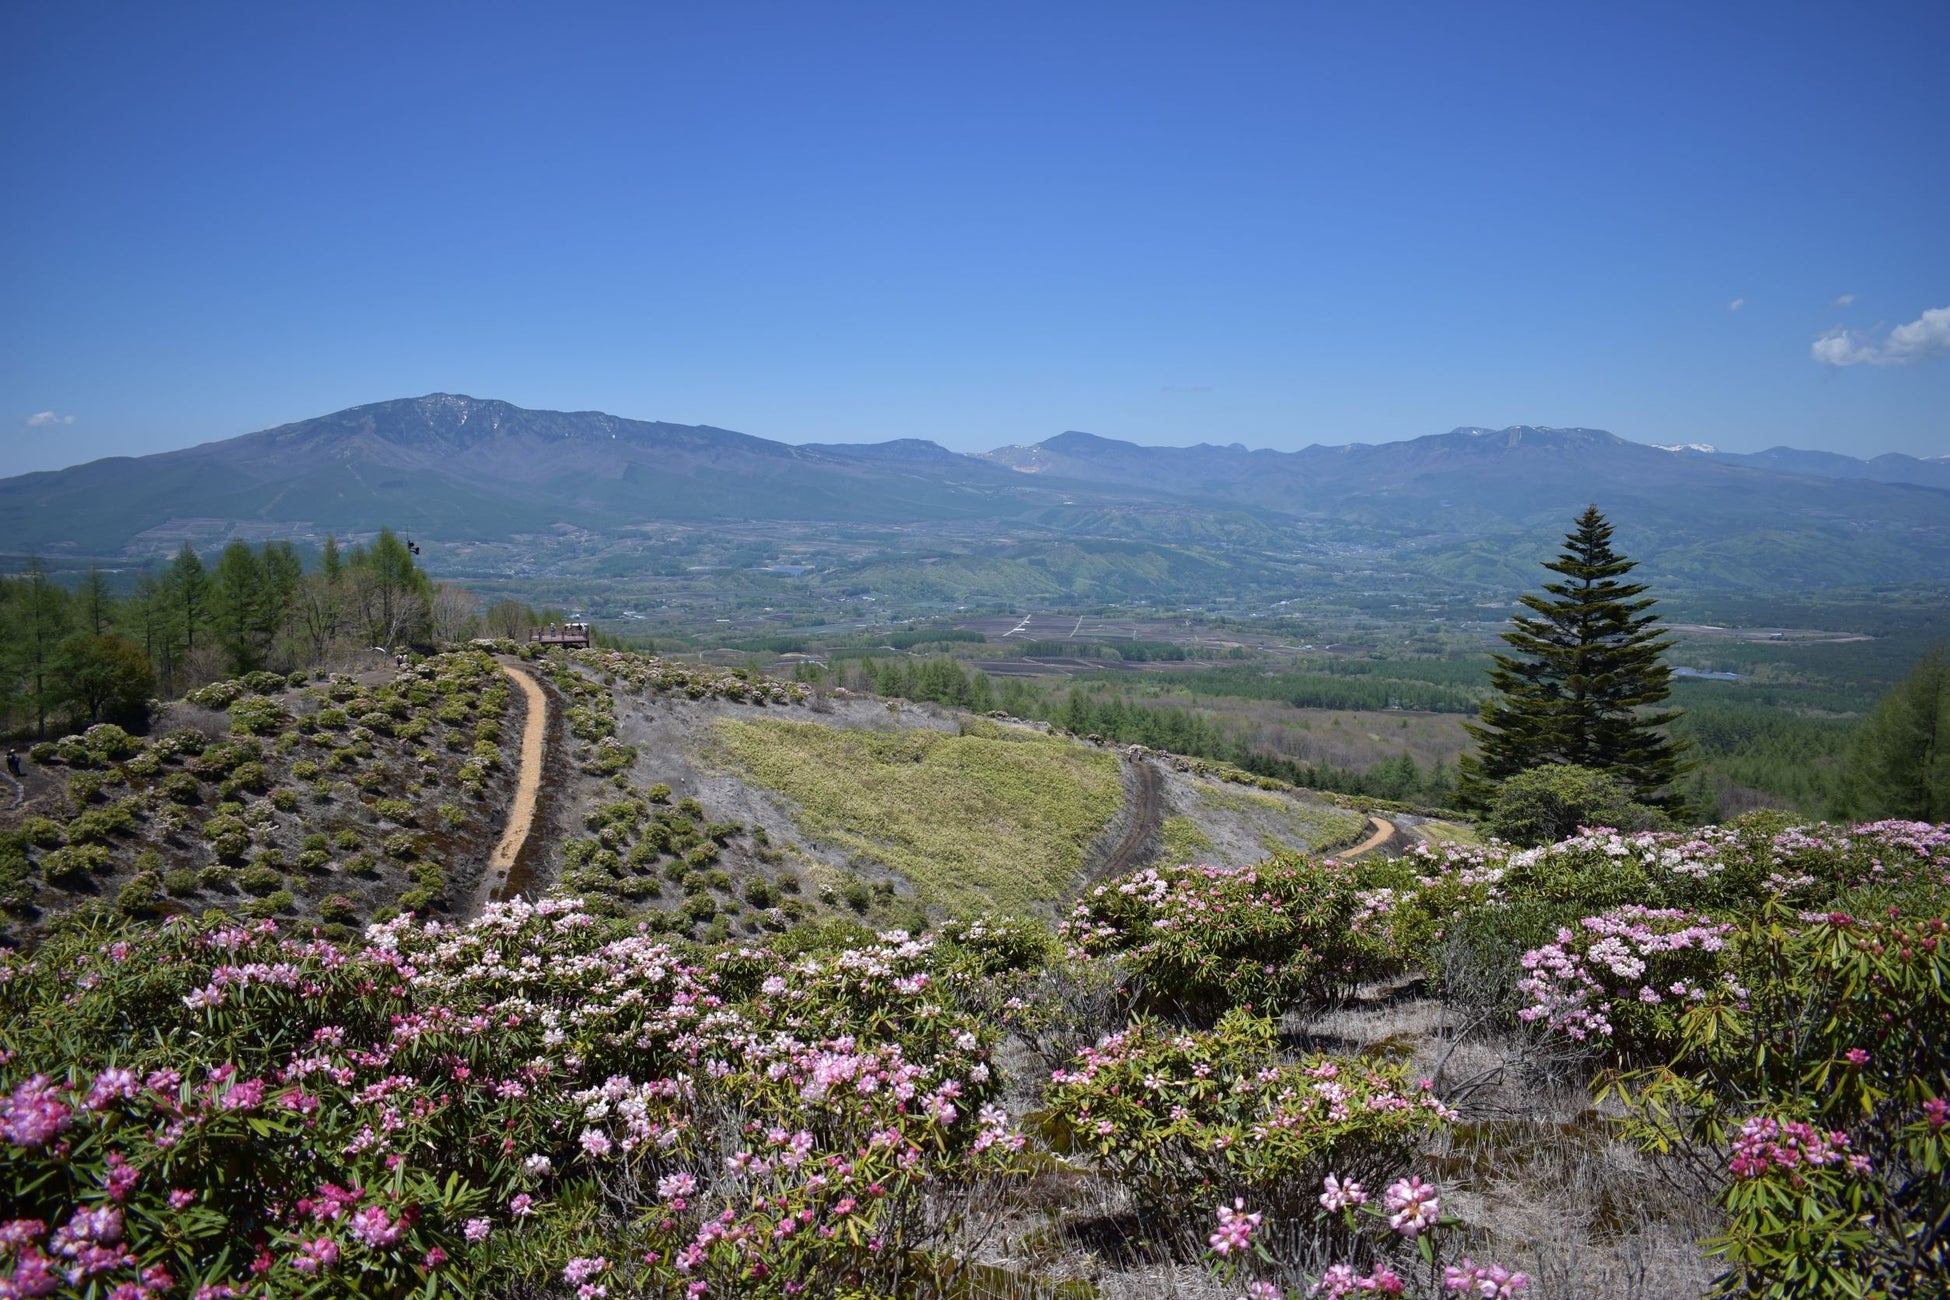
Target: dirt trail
{"x":1143,"y":820}
{"x":1384,"y":831}
{"x":521,"y":813}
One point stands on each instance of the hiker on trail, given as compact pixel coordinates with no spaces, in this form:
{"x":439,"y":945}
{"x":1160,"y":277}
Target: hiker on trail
{"x":13,"y":761}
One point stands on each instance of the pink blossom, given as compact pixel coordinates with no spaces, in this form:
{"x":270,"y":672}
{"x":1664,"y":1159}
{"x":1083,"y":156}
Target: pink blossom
{"x":1414,"y":1206}
{"x":315,"y":1255}
{"x":582,"y":1268}
{"x":1236,"y":1228}
{"x":1340,"y":1195}
{"x":33,"y":1113}
{"x":478,"y":1229}
{"x":375,"y":1228}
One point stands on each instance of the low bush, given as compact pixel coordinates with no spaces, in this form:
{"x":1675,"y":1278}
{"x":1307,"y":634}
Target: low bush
{"x":365,"y":1136}
{"x":1181,"y":1117}
{"x":1198,"y":940}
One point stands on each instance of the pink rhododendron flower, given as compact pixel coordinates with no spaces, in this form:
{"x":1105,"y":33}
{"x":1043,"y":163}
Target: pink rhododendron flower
{"x":1236,"y":1228}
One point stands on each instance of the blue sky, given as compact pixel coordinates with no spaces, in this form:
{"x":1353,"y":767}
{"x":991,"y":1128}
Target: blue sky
{"x":1276,"y":224}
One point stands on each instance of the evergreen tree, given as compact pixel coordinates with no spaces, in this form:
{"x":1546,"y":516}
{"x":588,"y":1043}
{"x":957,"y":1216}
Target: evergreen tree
{"x":189,"y":582}
{"x":1899,"y":765}
{"x":1584,"y":682}
{"x":96,"y":601}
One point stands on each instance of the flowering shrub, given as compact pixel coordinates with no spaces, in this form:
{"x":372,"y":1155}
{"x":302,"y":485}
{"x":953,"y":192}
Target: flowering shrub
{"x":1825,"y":1065}
{"x":533,"y":1094}
{"x":1397,"y":1243}
{"x":1197,"y":940}
{"x":1467,"y":912}
{"x":1179,"y":1115}
{"x":1625,"y":976}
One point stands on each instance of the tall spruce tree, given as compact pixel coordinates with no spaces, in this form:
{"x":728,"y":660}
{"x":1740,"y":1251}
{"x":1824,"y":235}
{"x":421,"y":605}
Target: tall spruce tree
{"x":1584,"y":682}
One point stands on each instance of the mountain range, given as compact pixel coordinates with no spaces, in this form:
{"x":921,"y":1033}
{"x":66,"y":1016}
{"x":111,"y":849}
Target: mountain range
{"x":465,"y":471}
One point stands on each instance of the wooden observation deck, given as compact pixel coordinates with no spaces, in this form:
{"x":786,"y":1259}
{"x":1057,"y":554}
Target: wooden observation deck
{"x":575,"y":635}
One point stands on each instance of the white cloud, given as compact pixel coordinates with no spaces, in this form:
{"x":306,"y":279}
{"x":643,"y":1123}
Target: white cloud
{"x":40,"y":419}
{"x":1924,"y":338}
{"x":1736,"y":304}
{"x":1842,"y":301}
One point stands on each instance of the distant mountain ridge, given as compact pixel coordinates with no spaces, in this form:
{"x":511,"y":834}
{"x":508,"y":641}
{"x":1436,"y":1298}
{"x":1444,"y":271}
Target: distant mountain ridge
{"x":1469,"y":506}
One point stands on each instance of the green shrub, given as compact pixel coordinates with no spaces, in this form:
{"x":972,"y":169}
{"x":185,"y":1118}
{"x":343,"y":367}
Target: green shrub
{"x":284,"y":799}
{"x":181,"y":787}
{"x":857,"y":894}
{"x":16,"y":880}
{"x":271,"y":905}
{"x":260,"y":880}
{"x":141,"y":896}
{"x":99,"y":824}
{"x":42,"y":832}
{"x":1199,"y":939}
{"x":228,"y":836}
{"x":216,"y":878}
{"x":84,"y":787}
{"x":699,"y":907}
{"x":72,"y":864}
{"x":452,"y":815}
{"x":248,"y":775}
{"x":1183,"y":1119}
{"x":418,"y":901}
{"x":180,"y":883}
{"x":258,"y":716}
{"x":338,"y":908}
{"x":1866,"y":1004}
{"x":397,"y":810}
{"x":658,"y":793}
{"x":1543,"y":805}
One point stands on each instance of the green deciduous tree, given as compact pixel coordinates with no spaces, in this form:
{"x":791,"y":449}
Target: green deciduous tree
{"x":104,"y":677}
{"x":1583,"y":684}
{"x":189,"y":584}
{"x":392,"y":596}
{"x":1899,"y":763}
{"x":34,"y":617}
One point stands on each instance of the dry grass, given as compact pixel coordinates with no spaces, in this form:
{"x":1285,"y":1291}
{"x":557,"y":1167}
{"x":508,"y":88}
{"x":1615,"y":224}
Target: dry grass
{"x":972,"y":821}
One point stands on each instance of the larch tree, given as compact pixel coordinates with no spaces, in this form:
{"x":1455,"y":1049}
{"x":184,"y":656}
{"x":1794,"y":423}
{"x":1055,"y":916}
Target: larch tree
{"x":1899,"y":765}
{"x":1584,"y":681}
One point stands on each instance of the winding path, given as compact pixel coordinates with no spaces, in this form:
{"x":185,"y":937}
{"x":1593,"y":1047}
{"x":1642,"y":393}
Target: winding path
{"x":1384,"y":831}
{"x":521,"y":813}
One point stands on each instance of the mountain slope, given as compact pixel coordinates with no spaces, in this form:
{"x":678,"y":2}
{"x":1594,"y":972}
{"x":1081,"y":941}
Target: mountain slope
{"x":462,"y":469}
{"x":1472,"y":507}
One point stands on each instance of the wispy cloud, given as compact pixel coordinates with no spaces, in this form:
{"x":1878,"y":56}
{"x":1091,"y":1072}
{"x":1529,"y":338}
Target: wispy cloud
{"x":1842,"y":301}
{"x":1925,"y":338}
{"x":41,"y":419}
{"x":1736,"y":304}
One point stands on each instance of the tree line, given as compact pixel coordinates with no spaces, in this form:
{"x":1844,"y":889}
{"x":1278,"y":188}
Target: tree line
{"x":1126,"y":721}
{"x":93,"y":653}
